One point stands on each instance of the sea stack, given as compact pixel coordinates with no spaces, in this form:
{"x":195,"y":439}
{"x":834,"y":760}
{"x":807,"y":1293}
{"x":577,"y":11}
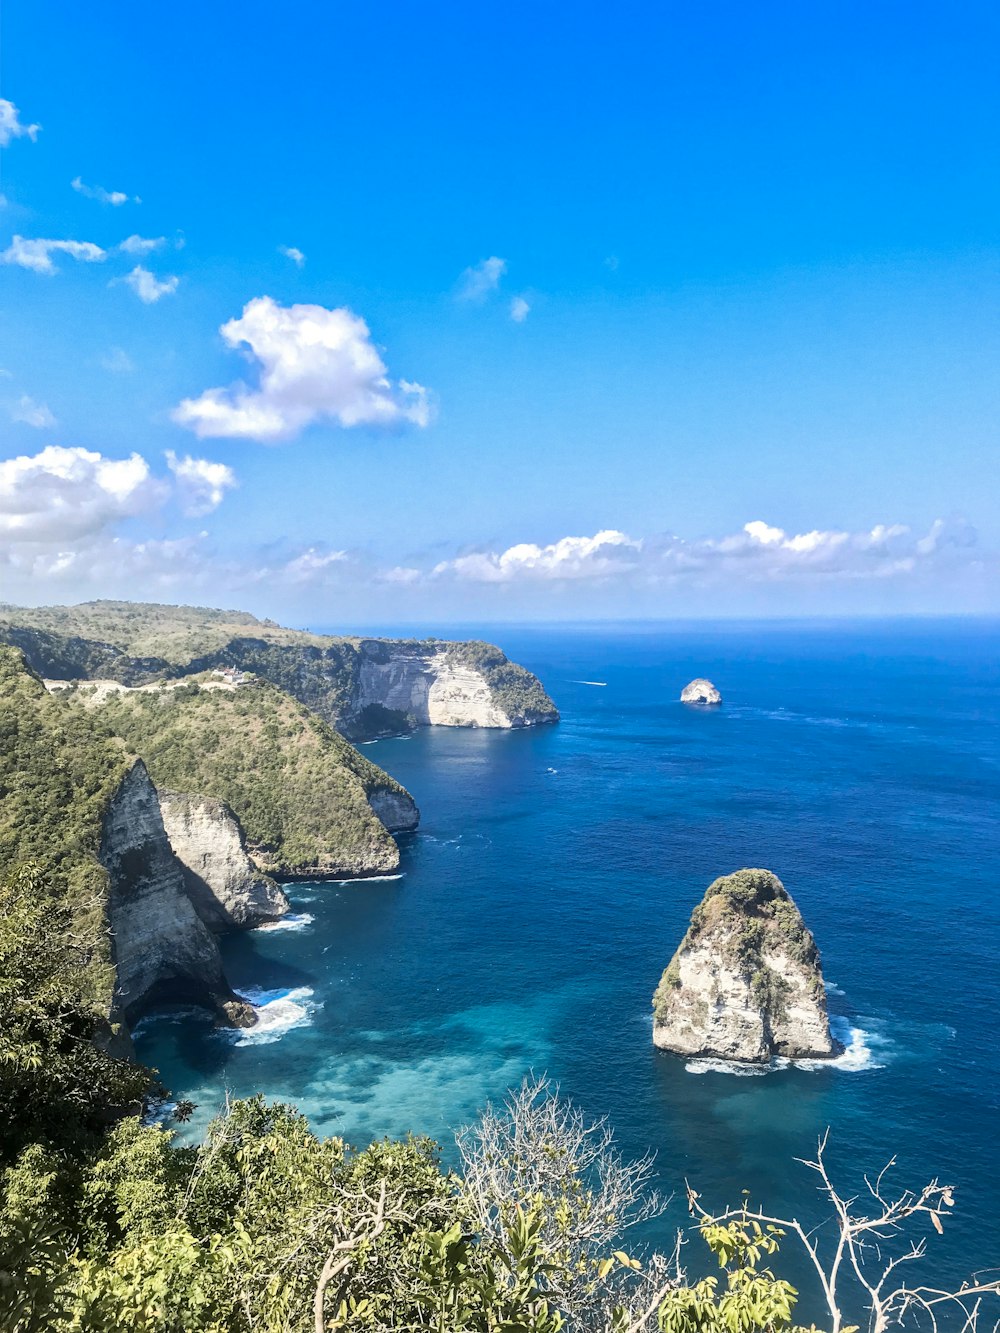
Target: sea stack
{"x":700,"y":691}
{"x":746,"y":981}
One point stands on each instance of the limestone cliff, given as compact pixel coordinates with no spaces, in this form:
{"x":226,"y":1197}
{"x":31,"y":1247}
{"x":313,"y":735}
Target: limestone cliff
{"x":363,"y":687}
{"x":222,"y":882}
{"x":746,"y":981}
{"x":310,"y":805}
{"x":428,"y":689}
{"x":161,"y":949}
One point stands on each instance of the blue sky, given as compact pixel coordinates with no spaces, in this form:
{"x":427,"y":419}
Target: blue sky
{"x":531,"y":311}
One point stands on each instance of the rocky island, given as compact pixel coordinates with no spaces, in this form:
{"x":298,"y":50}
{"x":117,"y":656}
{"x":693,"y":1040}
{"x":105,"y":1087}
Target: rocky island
{"x":700,"y":691}
{"x":745,"y":982}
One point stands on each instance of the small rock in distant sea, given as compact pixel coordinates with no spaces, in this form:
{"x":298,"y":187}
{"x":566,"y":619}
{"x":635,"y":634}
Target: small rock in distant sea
{"x":700,"y":691}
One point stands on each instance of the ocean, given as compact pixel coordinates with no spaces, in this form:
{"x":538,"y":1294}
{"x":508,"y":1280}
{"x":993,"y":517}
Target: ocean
{"x":554,"y":873}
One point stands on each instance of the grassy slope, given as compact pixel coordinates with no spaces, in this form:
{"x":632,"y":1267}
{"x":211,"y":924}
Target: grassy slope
{"x":133,"y":642}
{"x":58,"y":772}
{"x":298,"y":787}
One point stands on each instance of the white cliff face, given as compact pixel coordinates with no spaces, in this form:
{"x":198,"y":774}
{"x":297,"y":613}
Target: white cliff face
{"x":163,"y":952}
{"x":746,"y":982}
{"x":222,"y":882}
{"x":432,"y":690}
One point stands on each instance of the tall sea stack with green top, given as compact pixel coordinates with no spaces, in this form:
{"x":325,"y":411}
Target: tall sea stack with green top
{"x":745,"y":982}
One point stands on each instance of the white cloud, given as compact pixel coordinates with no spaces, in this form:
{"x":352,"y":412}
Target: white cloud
{"x":60,"y":494}
{"x":314,"y":364}
{"x":32,"y":413}
{"x":482,"y":279}
{"x":758,"y":553}
{"x":760,"y":532}
{"x":519,"y":309}
{"x":64,"y":499}
{"x":293,"y":253}
{"x":62,"y":508}
{"x":607,"y":552}
{"x":37,"y":254}
{"x":201,"y":484}
{"x":305,"y":567}
{"x":147,"y":286}
{"x":141,"y":245}
{"x":401,"y":574}
{"x":117,"y":361}
{"x":113,"y":197}
{"x":11,"y":125}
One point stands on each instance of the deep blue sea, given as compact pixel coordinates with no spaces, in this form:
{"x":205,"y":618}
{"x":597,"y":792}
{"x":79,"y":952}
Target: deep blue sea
{"x":554,"y":873}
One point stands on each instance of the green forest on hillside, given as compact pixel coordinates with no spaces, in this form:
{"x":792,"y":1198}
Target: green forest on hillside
{"x":59,"y":769}
{"x":298,"y":788}
{"x":136,"y":643}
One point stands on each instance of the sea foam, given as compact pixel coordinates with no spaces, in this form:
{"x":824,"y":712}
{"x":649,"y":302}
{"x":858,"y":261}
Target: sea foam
{"x":292,"y":921}
{"x":856,"y":1056}
{"x":278,"y":1012}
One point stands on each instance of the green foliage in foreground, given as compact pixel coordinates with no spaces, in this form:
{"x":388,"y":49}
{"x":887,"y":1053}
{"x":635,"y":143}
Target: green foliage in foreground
{"x":107,"y":1224}
{"x":298,"y":788}
{"x":58,"y":1084}
{"x":240,"y":1233}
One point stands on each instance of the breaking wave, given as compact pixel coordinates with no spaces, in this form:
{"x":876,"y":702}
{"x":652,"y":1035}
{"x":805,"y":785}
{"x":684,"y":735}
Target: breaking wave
{"x":856,"y":1056}
{"x":278,"y":1012}
{"x":291,"y":921}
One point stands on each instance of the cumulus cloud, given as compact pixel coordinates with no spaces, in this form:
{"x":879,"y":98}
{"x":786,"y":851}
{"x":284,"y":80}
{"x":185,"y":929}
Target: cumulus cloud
{"x":482,"y":279}
{"x":31,"y":413}
{"x":147,"y":286}
{"x":113,"y":197}
{"x":36,"y":254}
{"x":293,"y":253}
{"x":11,"y":125}
{"x":142,"y":245}
{"x":201,"y":484}
{"x":314,"y":364}
{"x":607,"y":552}
{"x":519,"y":309}
{"x":758,"y":552}
{"x":64,"y":494}
{"x":62,"y":497}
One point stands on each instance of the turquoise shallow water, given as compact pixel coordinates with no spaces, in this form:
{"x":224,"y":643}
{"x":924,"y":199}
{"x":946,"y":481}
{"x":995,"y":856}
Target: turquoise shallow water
{"x":555,"y":870}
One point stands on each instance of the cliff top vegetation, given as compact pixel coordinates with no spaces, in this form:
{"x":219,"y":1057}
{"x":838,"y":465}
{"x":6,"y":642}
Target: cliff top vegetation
{"x":138,"y":642}
{"x":298,"y":788}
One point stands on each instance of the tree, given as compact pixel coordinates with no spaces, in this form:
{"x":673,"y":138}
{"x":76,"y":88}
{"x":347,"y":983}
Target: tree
{"x":539,"y":1155}
{"x":860,"y":1268}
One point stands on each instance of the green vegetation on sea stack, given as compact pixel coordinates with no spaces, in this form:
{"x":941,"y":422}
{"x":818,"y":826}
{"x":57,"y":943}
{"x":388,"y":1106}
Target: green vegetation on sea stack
{"x":298,"y":788}
{"x":755,"y":905}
